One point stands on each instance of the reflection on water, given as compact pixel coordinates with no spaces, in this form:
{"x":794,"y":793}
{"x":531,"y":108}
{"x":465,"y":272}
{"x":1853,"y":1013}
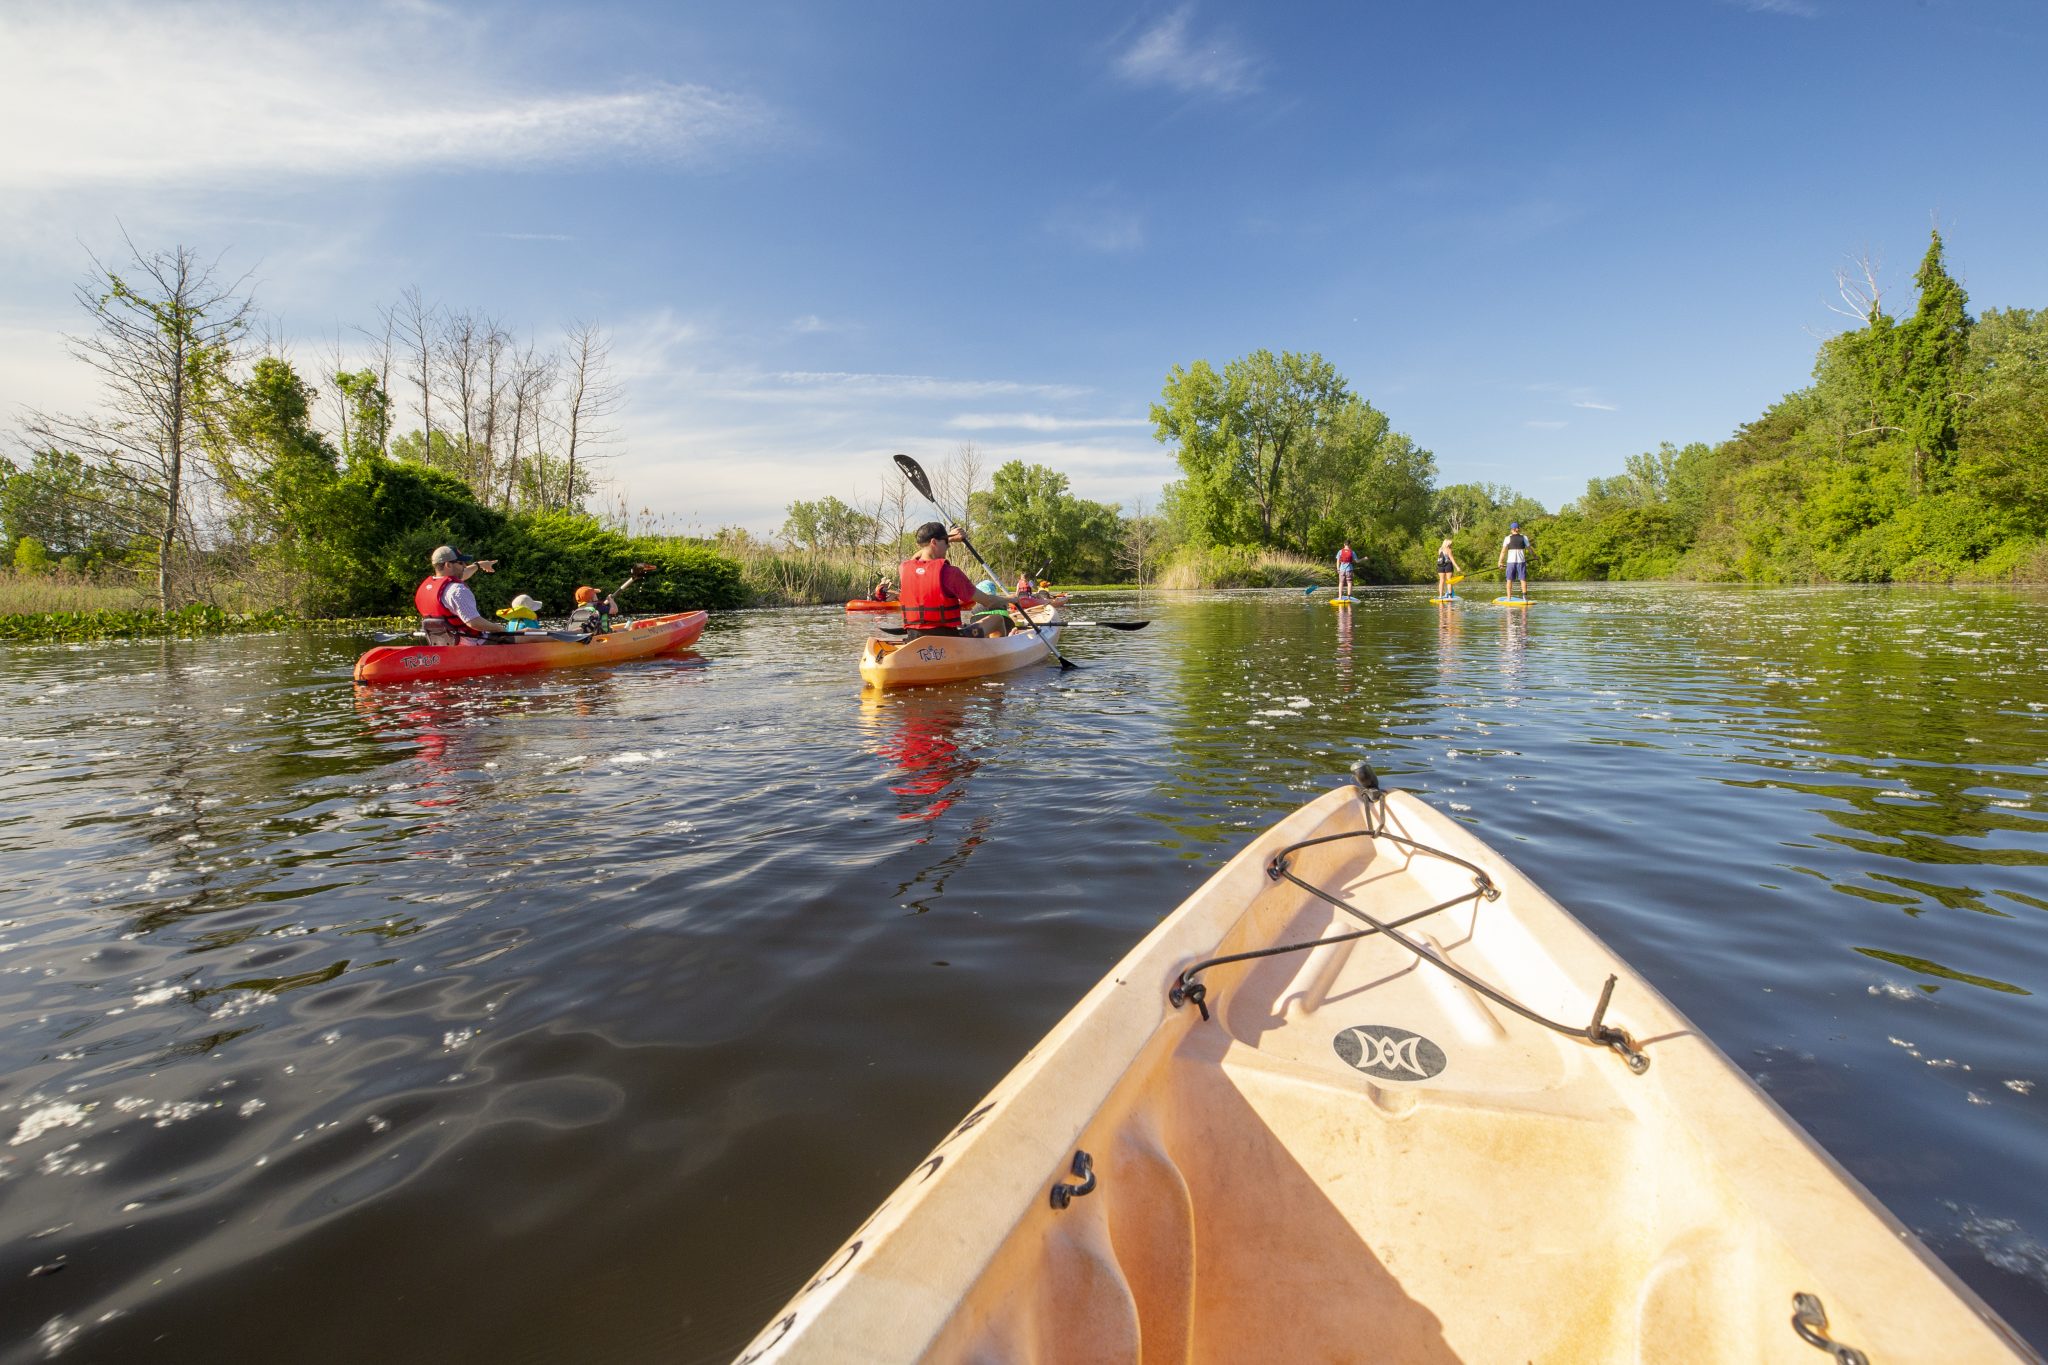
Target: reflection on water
{"x":630,"y":992}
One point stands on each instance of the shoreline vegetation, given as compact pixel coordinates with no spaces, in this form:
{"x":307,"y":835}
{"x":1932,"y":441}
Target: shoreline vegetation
{"x":1918,"y":453}
{"x":200,"y":620}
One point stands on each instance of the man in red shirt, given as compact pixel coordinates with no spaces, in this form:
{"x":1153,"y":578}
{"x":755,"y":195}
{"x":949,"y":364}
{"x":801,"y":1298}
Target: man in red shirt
{"x":935,"y":592}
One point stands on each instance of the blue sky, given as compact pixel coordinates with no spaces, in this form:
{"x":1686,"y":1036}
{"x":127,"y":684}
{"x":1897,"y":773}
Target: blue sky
{"x":1540,"y":234}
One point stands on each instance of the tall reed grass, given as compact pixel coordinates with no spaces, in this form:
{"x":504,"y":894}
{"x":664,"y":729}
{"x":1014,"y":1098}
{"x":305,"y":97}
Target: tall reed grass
{"x":33,"y":594}
{"x":801,"y":578}
{"x":1225,"y":567}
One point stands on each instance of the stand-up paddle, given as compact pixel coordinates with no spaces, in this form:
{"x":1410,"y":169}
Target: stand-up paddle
{"x":915,"y":473}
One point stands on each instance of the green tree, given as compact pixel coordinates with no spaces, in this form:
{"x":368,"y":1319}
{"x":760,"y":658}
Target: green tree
{"x":73,"y":507}
{"x":269,"y":456}
{"x":2002,"y":440}
{"x":1240,"y":435}
{"x":1934,"y":352}
{"x":829,"y":524}
{"x":1030,"y":523}
{"x":365,"y":415}
{"x":30,"y":557}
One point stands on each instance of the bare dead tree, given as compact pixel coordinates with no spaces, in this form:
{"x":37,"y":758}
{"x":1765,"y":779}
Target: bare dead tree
{"x":460,"y":344}
{"x":959,"y":480}
{"x":893,"y":515}
{"x":336,"y":363}
{"x":163,"y":338}
{"x":1139,"y":542}
{"x":497,"y":377}
{"x":1857,"y":284}
{"x":533,"y":379}
{"x":414,"y":325}
{"x":590,"y":397}
{"x":386,"y":345}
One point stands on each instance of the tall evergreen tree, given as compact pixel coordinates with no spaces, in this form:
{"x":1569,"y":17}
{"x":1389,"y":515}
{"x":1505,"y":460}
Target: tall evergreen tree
{"x":1934,"y":348}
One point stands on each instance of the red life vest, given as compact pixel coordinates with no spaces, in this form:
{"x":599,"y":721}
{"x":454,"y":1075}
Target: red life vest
{"x":925,"y":602}
{"x":429,"y":600}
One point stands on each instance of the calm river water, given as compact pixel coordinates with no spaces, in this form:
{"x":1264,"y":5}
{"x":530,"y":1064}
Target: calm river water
{"x":582,"y":1016}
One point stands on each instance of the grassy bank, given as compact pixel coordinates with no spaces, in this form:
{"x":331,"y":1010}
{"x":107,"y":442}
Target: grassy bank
{"x":1223,"y":567}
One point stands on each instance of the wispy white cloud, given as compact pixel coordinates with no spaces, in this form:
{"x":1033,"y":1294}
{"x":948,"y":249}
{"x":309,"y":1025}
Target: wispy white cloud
{"x":1545,"y":424}
{"x":1098,"y":226}
{"x":802,"y":386}
{"x":1588,"y":397}
{"x":1038,"y":421}
{"x":1796,"y":9}
{"x":1168,"y":54}
{"x":722,"y":442}
{"x":810,"y":324}
{"x":228,"y":95}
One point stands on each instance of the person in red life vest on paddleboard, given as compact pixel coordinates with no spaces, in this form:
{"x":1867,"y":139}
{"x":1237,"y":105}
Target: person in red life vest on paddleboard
{"x":935,"y":592}
{"x":448,"y":611}
{"x":1345,"y":559}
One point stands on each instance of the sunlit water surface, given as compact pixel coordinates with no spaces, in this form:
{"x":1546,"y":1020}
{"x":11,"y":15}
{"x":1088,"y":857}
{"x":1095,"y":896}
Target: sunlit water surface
{"x":581,"y":1016}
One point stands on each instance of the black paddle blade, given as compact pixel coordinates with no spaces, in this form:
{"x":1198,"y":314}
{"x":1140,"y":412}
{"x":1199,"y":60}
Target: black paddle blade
{"x":913,"y":472}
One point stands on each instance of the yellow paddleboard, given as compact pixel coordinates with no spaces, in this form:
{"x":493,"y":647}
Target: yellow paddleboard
{"x":1511,"y":601}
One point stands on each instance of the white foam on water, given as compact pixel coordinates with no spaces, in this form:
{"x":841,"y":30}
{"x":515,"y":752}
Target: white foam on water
{"x":56,"y":1334}
{"x":61,"y":1114}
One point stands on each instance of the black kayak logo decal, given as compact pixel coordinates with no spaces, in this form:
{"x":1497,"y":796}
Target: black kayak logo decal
{"x":1390,"y":1054}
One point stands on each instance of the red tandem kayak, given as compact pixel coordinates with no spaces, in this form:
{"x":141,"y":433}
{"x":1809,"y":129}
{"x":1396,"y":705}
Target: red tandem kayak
{"x":636,"y":640}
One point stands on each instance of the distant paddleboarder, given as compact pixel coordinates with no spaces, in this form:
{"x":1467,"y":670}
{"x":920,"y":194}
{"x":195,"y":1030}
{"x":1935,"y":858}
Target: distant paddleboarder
{"x":1446,"y":565}
{"x":1513,"y":561}
{"x":1345,"y":559}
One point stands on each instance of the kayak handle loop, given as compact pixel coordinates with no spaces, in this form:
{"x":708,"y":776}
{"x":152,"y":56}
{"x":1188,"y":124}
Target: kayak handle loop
{"x":1064,"y":1194}
{"x":1810,"y":1321}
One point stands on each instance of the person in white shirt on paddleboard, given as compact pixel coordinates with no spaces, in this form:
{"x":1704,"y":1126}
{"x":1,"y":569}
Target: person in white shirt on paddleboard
{"x":1513,"y":561}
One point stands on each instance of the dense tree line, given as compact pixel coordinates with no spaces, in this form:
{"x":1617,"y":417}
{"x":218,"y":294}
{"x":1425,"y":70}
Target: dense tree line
{"x":206,"y":462}
{"x":1919,"y":452}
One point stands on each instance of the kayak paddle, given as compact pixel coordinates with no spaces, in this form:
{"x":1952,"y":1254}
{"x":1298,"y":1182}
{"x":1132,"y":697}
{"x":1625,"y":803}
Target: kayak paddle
{"x":915,"y":473}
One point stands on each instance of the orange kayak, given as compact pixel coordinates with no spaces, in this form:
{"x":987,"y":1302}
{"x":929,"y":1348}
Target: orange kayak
{"x":635,"y":640}
{"x":921,"y":659}
{"x":870,"y":604}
